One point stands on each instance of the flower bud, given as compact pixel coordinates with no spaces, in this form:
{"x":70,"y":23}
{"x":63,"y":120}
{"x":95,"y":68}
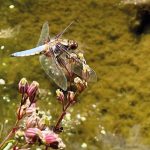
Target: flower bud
{"x":23,"y":86}
{"x":43,"y":122}
{"x":80,"y":84}
{"x":71,"y":96}
{"x":60,"y":95}
{"x":30,"y":110}
{"x":86,"y":72}
{"x":50,"y":138}
{"x":21,"y":112}
{"x":31,"y":121}
{"x":81,"y":57}
{"x":86,"y":68}
{"x":32,"y":132}
{"x":32,"y":91}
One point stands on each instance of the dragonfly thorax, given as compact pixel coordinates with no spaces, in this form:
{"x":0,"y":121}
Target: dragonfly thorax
{"x":70,"y":44}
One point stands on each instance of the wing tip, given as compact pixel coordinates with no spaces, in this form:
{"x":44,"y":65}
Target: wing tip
{"x":64,"y":88}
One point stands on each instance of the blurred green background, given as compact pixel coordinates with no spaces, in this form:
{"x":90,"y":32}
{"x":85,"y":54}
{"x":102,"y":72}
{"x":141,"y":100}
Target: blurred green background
{"x":114,"y":112}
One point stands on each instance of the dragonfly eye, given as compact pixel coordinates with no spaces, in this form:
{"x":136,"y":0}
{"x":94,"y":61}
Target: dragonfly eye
{"x":73,"y":45}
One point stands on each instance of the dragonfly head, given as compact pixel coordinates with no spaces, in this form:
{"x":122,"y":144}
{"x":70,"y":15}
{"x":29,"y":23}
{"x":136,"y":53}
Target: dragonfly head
{"x":73,"y":44}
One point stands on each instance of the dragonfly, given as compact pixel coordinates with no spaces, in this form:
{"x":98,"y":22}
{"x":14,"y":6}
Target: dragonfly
{"x":55,"y":53}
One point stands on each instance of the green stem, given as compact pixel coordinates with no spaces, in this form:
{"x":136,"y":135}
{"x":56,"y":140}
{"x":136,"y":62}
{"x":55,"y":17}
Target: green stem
{"x":10,"y":134}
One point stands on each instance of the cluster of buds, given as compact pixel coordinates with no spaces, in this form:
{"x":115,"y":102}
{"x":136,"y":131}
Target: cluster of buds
{"x":70,"y":96}
{"x":46,"y":137}
{"x":29,"y":93}
{"x":36,"y":127}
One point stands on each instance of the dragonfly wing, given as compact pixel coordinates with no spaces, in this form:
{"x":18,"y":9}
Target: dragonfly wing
{"x":54,"y":71}
{"x":90,"y":76}
{"x":30,"y":52}
{"x":44,"y":36}
{"x":77,"y":67}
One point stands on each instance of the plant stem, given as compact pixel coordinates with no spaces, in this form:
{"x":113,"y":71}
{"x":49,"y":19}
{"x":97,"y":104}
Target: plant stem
{"x":13,"y":130}
{"x":62,"y":116}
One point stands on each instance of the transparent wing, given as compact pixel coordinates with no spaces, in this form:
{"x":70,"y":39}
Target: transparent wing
{"x":77,"y":66}
{"x":54,"y":71}
{"x":89,"y":75}
{"x":44,"y":36}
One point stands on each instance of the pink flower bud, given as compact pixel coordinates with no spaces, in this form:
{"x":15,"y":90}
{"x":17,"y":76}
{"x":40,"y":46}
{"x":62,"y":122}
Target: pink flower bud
{"x":71,"y":96}
{"x":32,"y":132}
{"x":60,"y":95}
{"x":31,"y":135}
{"x":32,"y":91}
{"x":49,"y":137}
{"x":80,"y":84}
{"x":31,"y":109}
{"x":23,"y":86}
{"x":42,"y":123}
{"x":31,"y":121}
{"x":21,"y":112}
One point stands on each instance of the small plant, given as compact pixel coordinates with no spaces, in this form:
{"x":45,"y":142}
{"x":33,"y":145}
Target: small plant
{"x":33,"y":127}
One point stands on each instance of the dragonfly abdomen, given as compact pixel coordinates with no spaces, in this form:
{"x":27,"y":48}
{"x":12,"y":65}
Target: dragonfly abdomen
{"x":30,"y":52}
